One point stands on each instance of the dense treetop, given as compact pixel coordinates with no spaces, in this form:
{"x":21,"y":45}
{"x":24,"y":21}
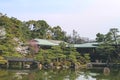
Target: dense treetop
{"x":15,"y":33}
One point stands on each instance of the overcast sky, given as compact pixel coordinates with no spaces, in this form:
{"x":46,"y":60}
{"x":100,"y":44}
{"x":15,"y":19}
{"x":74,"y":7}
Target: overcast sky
{"x":87,"y":17}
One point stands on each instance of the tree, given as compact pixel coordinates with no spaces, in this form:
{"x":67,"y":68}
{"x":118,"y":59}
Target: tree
{"x":115,"y":38}
{"x":58,"y":34}
{"x":100,"y":37}
{"x":108,"y":48}
{"x":57,"y":50}
{"x":2,"y":33}
{"x":114,"y":34}
{"x":39,"y":30}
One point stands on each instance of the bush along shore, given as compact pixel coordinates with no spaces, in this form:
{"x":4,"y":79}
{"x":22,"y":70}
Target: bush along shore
{"x":61,"y":65}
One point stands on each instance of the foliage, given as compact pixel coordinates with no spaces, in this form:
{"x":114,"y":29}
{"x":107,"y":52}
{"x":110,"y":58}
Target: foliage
{"x":11,"y":28}
{"x":87,"y":57}
{"x":61,"y":54}
{"x":15,"y":33}
{"x":2,"y":60}
{"x":109,"y":44}
{"x":58,"y":34}
{"x":100,"y":37}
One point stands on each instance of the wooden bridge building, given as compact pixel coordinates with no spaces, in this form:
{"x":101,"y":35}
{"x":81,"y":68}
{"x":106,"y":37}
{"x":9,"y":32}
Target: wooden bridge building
{"x":20,"y":62}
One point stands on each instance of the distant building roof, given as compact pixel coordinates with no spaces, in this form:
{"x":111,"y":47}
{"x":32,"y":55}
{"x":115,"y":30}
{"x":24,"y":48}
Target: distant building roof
{"x":86,"y":45}
{"x":45,"y":42}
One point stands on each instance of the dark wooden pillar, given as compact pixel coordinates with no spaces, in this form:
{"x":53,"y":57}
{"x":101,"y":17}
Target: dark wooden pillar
{"x":8,"y":64}
{"x":22,"y":64}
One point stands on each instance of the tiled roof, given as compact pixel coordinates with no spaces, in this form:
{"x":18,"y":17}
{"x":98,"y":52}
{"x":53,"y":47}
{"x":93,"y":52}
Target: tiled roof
{"x":86,"y":45}
{"x":45,"y":42}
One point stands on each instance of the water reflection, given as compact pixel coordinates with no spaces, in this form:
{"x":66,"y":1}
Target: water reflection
{"x":91,"y":74}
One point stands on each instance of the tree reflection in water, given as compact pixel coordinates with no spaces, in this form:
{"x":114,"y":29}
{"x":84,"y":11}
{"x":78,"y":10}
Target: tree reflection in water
{"x":91,"y":74}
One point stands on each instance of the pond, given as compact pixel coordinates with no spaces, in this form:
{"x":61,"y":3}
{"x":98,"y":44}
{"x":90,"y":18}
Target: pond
{"x":86,"y":74}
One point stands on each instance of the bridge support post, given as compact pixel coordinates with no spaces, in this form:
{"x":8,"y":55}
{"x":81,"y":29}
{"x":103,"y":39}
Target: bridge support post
{"x":20,"y":65}
{"x":7,"y":65}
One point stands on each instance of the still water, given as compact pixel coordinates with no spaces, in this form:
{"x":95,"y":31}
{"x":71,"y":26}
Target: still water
{"x":91,"y":74}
